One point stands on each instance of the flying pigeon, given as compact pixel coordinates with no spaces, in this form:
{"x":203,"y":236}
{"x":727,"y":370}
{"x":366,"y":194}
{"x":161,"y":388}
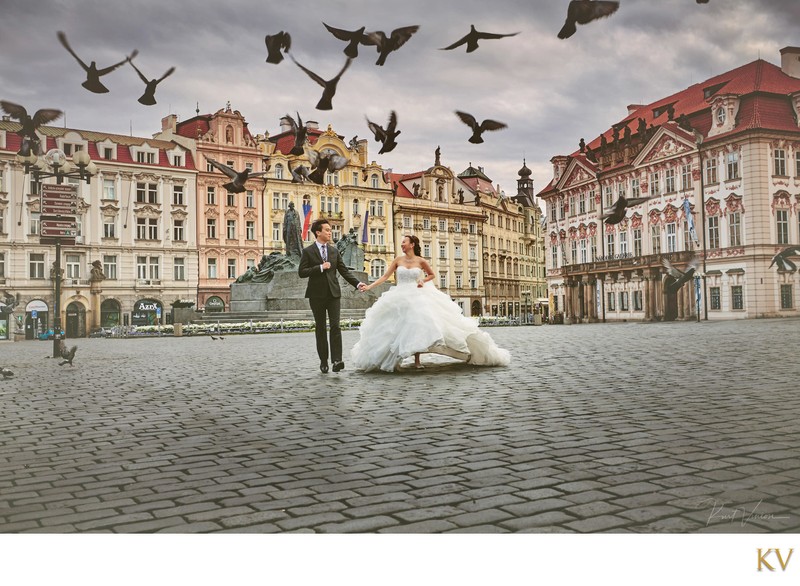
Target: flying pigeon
{"x":325,"y":102}
{"x":387,"y":136}
{"x":10,"y":303}
{"x":300,"y":133}
{"x":325,"y":162}
{"x":385,"y":44}
{"x":299,"y":174}
{"x":478,"y":130}
{"x":472,"y":38}
{"x":616,"y":213}
{"x":353,"y":37}
{"x":781,"y":260}
{"x":93,"y":75}
{"x":148,"y":97}
{"x":584,"y":12}
{"x":275,"y":43}
{"x":30,"y":140}
{"x":679,"y":277}
{"x":239,"y":179}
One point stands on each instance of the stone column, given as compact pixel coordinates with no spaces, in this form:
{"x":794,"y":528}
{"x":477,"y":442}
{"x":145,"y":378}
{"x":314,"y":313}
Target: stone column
{"x":648,"y":312}
{"x":567,"y":301}
{"x":94,"y":292}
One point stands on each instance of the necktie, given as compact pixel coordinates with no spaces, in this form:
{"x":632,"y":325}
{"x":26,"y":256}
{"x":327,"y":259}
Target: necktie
{"x":324,"y":250}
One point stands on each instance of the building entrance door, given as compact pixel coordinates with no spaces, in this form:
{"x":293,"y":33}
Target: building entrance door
{"x":76,"y":320}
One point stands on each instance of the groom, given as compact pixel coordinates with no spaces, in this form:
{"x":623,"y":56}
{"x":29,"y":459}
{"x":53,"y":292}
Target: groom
{"x":319,"y":263}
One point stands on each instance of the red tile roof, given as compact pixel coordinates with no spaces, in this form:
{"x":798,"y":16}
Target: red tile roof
{"x":476,"y":183}
{"x":398,"y":178}
{"x":284,"y":142}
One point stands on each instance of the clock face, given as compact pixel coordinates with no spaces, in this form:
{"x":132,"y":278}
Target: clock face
{"x":721,"y":115}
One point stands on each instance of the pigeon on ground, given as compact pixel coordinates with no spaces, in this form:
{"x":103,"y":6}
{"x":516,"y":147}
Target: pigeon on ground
{"x":67,"y":355}
{"x":93,"y":75}
{"x":386,"y":45}
{"x":299,"y":131}
{"x":149,"y":96}
{"x":326,"y":101}
{"x":473,"y":36}
{"x":352,"y":37}
{"x":479,"y":129}
{"x":30,"y":140}
{"x":323,"y":162}
{"x":6,"y":372}
{"x":781,"y":260}
{"x":239,"y":179}
{"x":679,"y":277}
{"x":275,"y":43}
{"x":387,"y":136}
{"x":584,"y":12}
{"x":616,"y":213}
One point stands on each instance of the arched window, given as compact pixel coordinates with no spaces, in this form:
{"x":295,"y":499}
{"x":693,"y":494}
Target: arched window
{"x":376,"y":268}
{"x":374,"y":181}
{"x":278,"y":171}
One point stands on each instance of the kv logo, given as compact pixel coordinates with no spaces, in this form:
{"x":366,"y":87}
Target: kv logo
{"x":765,"y":557}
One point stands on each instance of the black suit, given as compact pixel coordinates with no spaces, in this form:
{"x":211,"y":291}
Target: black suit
{"x":324,"y":296}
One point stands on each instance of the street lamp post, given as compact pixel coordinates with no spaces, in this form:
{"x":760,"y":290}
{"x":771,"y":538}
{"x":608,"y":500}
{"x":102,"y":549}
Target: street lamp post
{"x":56,"y":160}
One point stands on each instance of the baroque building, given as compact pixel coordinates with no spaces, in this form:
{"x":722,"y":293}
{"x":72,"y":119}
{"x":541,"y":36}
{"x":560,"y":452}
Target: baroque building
{"x":720,"y":162}
{"x":137,"y":217}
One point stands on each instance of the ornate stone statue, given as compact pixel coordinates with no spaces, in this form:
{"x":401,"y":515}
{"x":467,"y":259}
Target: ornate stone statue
{"x":603,"y":144}
{"x":292,"y":230}
{"x":267,"y":267}
{"x":352,"y":254}
{"x":642,"y":127}
{"x":626,"y":135}
{"x":582,"y":145}
{"x":415,"y":187}
{"x":460,"y":195}
{"x":438,"y":154}
{"x":96,"y":274}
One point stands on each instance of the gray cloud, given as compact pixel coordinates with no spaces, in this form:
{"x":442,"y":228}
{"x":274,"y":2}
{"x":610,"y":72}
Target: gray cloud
{"x":550,"y":92}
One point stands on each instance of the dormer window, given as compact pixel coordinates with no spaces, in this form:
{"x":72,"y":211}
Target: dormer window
{"x":177,"y":160}
{"x":721,"y":116}
{"x":144,"y":157}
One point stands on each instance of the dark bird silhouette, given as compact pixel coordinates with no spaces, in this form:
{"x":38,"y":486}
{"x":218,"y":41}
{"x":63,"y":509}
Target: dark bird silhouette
{"x":30,"y":140}
{"x":299,"y":173}
{"x":67,"y":355}
{"x":6,"y":372}
{"x":385,"y":44}
{"x":149,"y":96}
{"x":479,"y":129}
{"x":239,"y":179}
{"x":323,"y":162}
{"x":679,"y":277}
{"x":216,"y":337}
{"x":93,"y":75}
{"x":329,"y":87}
{"x":781,"y":260}
{"x":616,"y":213}
{"x":472,"y":38}
{"x":702,"y":1}
{"x":276,"y":43}
{"x":584,"y":12}
{"x":10,"y":302}
{"x":387,"y":136}
{"x":352,"y":37}
{"x":300,"y":133}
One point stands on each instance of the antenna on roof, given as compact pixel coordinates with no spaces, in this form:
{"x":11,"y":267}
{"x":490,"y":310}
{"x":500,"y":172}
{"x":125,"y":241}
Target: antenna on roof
{"x":131,"y":127}
{"x":65,"y":118}
{"x":197,"y":109}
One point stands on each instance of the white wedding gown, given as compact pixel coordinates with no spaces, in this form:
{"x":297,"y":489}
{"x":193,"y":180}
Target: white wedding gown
{"x":408,"y":319}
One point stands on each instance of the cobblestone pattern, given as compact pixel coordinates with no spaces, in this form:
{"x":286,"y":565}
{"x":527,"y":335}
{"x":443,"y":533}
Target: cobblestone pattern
{"x":646,"y":428}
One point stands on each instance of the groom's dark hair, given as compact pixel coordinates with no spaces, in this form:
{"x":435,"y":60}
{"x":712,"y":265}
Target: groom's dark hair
{"x":317,"y":226}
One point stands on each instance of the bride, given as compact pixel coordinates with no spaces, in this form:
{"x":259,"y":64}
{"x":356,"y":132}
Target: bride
{"x":415,"y":317}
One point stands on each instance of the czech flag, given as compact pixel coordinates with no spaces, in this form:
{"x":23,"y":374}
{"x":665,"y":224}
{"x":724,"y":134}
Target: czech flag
{"x":365,"y":228}
{"x":307,"y":220}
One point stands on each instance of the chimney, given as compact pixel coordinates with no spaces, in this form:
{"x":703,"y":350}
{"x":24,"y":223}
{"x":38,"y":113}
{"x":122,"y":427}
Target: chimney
{"x":790,"y":61}
{"x":285,"y":125}
{"x":633,"y":107}
{"x":312,"y":125}
{"x":169,"y":122}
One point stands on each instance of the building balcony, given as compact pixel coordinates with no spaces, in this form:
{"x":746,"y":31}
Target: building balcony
{"x":624,"y":262}
{"x":148,"y":283}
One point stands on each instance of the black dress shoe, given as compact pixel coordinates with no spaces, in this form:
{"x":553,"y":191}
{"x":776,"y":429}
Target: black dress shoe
{"x":323,"y":366}
{"x":338,"y":365}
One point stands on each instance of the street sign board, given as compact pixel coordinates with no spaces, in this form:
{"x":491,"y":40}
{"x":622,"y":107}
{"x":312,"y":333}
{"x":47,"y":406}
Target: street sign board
{"x":56,"y":228}
{"x":59,"y":199}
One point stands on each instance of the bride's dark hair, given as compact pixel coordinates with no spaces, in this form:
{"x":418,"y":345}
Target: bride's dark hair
{"x":415,"y":242}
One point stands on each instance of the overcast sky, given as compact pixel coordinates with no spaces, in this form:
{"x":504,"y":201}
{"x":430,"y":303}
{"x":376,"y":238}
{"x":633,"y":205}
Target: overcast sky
{"x":550,"y":92}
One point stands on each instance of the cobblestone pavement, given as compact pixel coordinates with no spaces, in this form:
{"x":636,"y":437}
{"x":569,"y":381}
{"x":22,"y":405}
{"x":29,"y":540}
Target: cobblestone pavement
{"x":647,"y":428}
